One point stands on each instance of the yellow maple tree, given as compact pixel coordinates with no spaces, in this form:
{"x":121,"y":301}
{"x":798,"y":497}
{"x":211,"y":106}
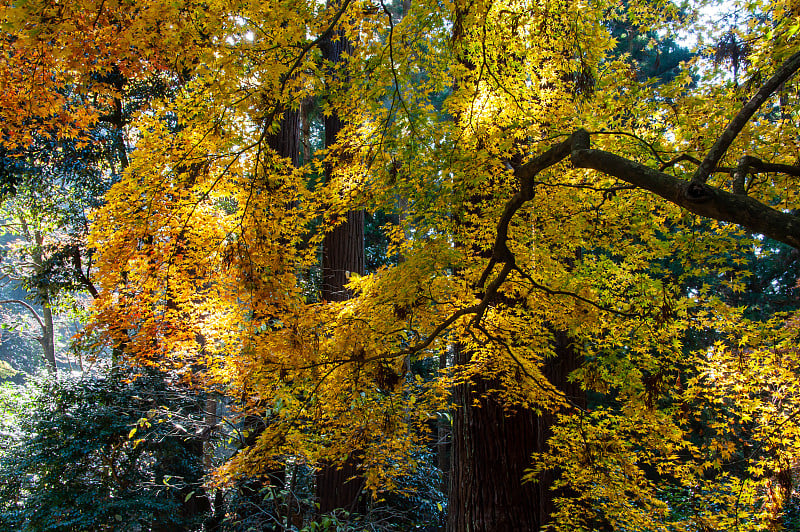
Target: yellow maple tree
{"x":545,"y":191}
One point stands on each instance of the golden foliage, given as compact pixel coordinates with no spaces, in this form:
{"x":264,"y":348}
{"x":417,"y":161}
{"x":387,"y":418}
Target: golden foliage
{"x":207,"y":245}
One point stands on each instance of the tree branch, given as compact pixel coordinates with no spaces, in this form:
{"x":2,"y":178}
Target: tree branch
{"x":784,"y":72}
{"x":701,"y":199}
{"x":747,"y":163}
{"x":83,"y":277}
{"x":27,"y":306}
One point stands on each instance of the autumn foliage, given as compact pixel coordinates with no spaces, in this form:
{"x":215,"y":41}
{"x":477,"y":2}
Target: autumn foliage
{"x":536,"y":187}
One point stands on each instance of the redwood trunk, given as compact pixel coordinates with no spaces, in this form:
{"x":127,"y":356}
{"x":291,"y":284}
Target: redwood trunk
{"x":342,"y":254}
{"x":251,"y":509}
{"x":343,"y":247}
{"x":340,"y":488}
{"x":491,"y":449}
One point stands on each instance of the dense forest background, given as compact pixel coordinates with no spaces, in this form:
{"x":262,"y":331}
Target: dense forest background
{"x":402,"y":265}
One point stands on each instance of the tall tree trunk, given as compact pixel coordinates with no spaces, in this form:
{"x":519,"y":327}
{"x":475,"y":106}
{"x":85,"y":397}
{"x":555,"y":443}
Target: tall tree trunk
{"x":48,"y":338}
{"x":343,"y":247}
{"x":492,"y":448}
{"x":48,"y":328}
{"x":286,"y":143}
{"x":444,"y":435}
{"x":342,"y":254}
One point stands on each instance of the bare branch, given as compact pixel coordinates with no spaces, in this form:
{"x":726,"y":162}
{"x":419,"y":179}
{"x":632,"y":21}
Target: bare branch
{"x":27,"y":306}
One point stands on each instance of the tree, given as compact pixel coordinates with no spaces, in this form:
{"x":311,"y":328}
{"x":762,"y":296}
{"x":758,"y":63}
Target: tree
{"x":338,"y":484}
{"x":45,"y":225}
{"x":578,"y":184}
{"x":50,"y":185}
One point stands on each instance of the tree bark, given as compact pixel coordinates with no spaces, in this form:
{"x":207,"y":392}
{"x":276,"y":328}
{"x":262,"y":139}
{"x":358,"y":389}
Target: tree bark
{"x":343,"y":247}
{"x":342,"y":254}
{"x":340,"y":487}
{"x":492,"y":448}
{"x":48,"y":328}
{"x":286,"y":143}
{"x":48,"y":338}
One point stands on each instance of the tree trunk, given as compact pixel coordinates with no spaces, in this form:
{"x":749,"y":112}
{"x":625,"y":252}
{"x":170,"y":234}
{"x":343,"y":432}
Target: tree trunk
{"x":252,"y":506}
{"x":286,"y":141}
{"x":491,"y":449}
{"x":342,"y":254}
{"x":48,"y":328}
{"x":444,"y":435}
{"x":340,"y":487}
{"x":48,"y":338}
{"x":343,"y":247}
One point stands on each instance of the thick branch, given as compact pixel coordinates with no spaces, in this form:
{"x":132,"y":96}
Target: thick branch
{"x":784,"y":72}
{"x":698,"y":198}
{"x":82,"y":277}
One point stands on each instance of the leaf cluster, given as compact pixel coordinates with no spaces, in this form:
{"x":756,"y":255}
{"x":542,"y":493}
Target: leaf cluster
{"x":100,"y":453}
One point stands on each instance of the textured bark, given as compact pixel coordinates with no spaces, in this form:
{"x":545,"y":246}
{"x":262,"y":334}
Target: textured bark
{"x":340,"y":488}
{"x":557,"y":371}
{"x":342,"y":254}
{"x":286,"y":143}
{"x":492,"y":448}
{"x":343,"y":247}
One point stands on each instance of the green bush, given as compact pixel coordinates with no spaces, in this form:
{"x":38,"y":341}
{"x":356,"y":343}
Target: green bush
{"x":102,"y":453}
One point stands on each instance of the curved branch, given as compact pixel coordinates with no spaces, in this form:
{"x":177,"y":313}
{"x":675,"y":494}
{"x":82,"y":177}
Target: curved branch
{"x":27,"y":306}
{"x":784,"y":72}
{"x":83,"y":277}
{"x":679,"y":159}
{"x":698,"y":198}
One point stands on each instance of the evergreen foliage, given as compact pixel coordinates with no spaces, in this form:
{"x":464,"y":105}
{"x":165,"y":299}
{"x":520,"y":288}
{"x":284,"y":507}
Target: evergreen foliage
{"x":102,"y":453}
